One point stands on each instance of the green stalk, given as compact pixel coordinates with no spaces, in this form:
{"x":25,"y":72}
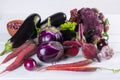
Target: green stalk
{"x":49,"y":22}
{"x":113,"y":70}
{"x":8,"y":48}
{"x":35,"y":22}
{"x":105,"y":35}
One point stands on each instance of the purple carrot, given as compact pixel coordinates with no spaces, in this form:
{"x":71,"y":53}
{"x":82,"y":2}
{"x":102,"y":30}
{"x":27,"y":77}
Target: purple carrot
{"x":16,"y":52}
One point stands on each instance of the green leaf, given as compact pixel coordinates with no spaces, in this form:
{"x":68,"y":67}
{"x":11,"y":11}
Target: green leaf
{"x":68,"y":26}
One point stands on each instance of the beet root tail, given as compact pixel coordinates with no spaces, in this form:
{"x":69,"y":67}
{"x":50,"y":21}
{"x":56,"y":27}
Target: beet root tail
{"x":98,"y":59}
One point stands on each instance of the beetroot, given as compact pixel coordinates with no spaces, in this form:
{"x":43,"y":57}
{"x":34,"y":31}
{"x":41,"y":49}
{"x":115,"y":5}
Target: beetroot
{"x":89,"y":50}
{"x":73,"y":48}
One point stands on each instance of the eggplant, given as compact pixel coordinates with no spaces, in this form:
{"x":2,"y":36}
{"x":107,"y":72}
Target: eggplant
{"x":28,"y":30}
{"x":56,"y":20}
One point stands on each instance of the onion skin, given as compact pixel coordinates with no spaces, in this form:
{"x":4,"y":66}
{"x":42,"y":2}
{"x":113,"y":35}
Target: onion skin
{"x":106,"y":52}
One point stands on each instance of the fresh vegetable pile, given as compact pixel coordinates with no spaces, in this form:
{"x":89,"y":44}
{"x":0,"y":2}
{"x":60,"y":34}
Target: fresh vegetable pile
{"x":57,"y":38}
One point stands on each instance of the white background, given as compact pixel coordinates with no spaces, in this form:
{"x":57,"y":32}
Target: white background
{"x":47,"y":7}
{"x":20,"y":9}
{"x":50,"y":6}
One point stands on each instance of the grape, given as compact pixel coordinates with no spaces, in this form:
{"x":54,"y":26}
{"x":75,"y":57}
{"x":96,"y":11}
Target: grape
{"x":30,"y":64}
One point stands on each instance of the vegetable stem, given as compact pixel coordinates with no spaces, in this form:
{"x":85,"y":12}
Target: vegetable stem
{"x":113,"y":70}
{"x":105,"y":35}
{"x":36,"y":21}
{"x":49,"y":23}
{"x":80,"y":34}
{"x":8,"y":48}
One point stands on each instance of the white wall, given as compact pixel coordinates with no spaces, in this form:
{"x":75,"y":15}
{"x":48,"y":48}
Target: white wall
{"x":20,"y":9}
{"x":51,"y":6}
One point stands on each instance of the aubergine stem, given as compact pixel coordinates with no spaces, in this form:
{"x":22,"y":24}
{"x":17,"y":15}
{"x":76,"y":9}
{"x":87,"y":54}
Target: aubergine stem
{"x":49,"y":22}
{"x":46,"y":26}
{"x":8,"y":48}
{"x":37,"y":22}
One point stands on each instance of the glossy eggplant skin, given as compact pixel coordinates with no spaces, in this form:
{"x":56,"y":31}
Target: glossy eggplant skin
{"x":26,"y":31}
{"x":56,"y":19}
